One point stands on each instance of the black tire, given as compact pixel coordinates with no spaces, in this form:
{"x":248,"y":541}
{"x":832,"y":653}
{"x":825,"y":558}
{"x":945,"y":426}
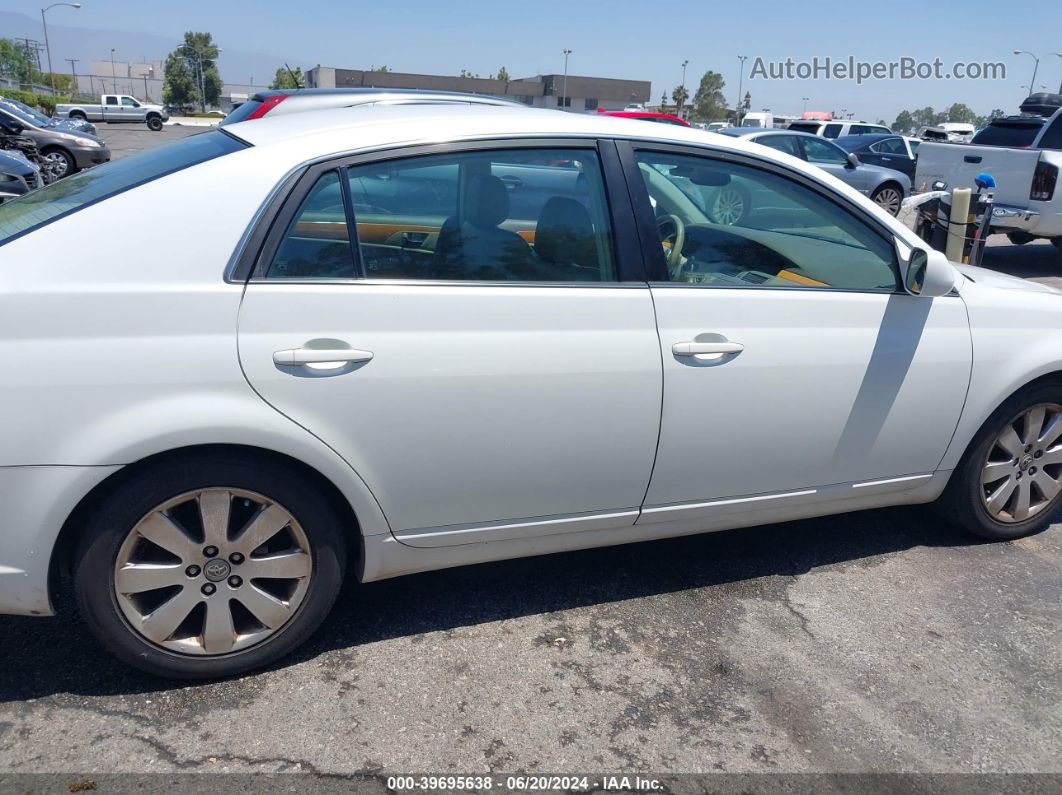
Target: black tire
{"x":67,"y":165}
{"x":154,"y":123}
{"x":76,"y":114}
{"x":139,"y":494}
{"x":888,"y":186}
{"x":961,"y":503}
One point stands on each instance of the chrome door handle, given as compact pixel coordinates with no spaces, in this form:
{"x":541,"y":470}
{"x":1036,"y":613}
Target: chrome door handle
{"x":698,"y":348}
{"x":320,"y":356}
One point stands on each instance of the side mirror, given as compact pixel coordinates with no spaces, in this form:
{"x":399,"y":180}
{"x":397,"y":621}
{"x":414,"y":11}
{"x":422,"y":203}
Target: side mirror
{"x":929,"y":274}
{"x":853,"y":160}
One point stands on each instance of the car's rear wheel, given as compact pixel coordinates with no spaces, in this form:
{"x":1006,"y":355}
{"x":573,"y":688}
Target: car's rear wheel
{"x":1009,"y":482}
{"x":888,"y":197}
{"x":60,"y":162}
{"x":76,"y":114}
{"x":209,"y":568}
{"x":154,"y":123}
{"x":730,"y":205}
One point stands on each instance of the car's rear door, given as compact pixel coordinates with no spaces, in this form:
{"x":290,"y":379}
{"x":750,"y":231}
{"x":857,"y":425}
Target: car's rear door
{"x":794,"y":368}
{"x":488,"y":377}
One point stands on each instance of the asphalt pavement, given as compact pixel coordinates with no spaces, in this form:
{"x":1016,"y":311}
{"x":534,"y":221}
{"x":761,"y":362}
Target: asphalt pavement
{"x":870,"y":642}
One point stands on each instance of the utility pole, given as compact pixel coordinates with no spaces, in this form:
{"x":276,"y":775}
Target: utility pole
{"x":114,"y":77}
{"x":564,"y":90}
{"x":684,"y":65}
{"x":741,"y":79}
{"x":805,"y":101}
{"x":73,"y":73}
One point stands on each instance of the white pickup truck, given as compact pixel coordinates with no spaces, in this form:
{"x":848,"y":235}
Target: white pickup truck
{"x":116,"y":108}
{"x":1023,"y":154}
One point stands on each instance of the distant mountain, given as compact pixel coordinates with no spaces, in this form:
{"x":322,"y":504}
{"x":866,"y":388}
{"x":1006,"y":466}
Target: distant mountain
{"x":88,"y":46}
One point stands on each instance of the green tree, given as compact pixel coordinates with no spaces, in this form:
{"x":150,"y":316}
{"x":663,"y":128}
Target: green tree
{"x":288,"y":78}
{"x":384,"y":68}
{"x":904,"y":123}
{"x":13,"y":61}
{"x":198,"y":54}
{"x":708,"y":101}
{"x":679,"y":95}
{"x":747,"y":103}
{"x":503,"y":74}
{"x":961,"y":113}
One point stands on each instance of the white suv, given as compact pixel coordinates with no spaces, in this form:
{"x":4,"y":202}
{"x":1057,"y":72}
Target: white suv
{"x":835,"y":129}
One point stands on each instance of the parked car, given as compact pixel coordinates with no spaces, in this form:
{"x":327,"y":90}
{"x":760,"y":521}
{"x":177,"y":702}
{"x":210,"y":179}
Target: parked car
{"x":889,"y":151}
{"x":837,"y":129}
{"x":886,"y":187}
{"x":1024,"y":163}
{"x":115,"y":108}
{"x":18,"y":176}
{"x":303,"y":99}
{"x":279,"y":403}
{"x":66,"y":151}
{"x":642,"y":115}
{"x":76,"y":125}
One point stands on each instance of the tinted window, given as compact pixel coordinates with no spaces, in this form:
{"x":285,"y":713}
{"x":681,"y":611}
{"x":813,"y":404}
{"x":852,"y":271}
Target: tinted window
{"x":783,"y":143}
{"x":515,"y":215}
{"x":831,"y":131}
{"x":783,"y":234}
{"x":879,"y":130}
{"x":822,"y":152}
{"x":859,"y":129}
{"x":1008,"y":134}
{"x":111,"y":100}
{"x":85,"y":188}
{"x":1053,"y":137}
{"x":317,"y":242}
{"x":805,"y":126}
{"x":241,"y":112}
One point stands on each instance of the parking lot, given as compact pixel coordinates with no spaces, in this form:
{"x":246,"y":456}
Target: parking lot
{"x":875,"y":642}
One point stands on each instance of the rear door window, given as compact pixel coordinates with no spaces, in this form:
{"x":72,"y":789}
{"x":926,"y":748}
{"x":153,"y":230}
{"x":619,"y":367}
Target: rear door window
{"x":1019,"y":134}
{"x":831,"y":131}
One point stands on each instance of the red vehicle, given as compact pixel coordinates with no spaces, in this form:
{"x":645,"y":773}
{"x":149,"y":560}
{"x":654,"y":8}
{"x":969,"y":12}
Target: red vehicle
{"x":662,"y":118}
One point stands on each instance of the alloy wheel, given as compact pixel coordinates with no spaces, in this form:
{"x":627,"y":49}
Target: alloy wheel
{"x":729,"y":207}
{"x":1022,"y":473}
{"x":212,"y":571}
{"x":58,"y":164}
{"x":888,"y":199}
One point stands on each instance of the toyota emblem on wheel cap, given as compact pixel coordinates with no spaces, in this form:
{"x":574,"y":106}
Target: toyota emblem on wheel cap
{"x":216,"y":570}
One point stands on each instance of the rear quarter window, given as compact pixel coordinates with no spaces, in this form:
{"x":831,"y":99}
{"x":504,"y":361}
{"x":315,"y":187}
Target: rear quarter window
{"x":39,"y":208}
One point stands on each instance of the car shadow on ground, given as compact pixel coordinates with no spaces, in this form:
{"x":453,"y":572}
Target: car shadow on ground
{"x":43,"y":657}
{"x":1040,"y":260}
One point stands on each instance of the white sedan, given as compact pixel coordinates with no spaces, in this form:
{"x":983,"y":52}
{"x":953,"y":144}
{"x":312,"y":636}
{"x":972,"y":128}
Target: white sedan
{"x":373,"y":341}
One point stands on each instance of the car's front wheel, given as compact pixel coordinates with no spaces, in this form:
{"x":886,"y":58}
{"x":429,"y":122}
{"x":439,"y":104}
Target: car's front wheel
{"x":209,"y":567}
{"x":60,"y":162}
{"x":1009,"y":482}
{"x":154,"y":123}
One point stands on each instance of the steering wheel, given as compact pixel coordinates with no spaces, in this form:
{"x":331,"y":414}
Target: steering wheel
{"x":677,"y":237}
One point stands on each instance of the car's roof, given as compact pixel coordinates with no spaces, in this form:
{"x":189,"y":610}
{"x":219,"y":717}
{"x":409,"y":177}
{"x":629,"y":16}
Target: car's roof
{"x":325,"y":132}
{"x":360,"y":94}
{"x":865,"y":140}
{"x":745,"y":132}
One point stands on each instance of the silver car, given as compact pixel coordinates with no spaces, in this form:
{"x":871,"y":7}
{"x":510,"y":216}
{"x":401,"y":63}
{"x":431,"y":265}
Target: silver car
{"x":886,"y":187}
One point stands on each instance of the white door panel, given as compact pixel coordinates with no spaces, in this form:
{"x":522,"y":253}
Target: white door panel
{"x":828,"y":387}
{"x":479,"y":404}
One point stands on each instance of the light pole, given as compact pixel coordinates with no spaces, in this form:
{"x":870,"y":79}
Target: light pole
{"x":741,"y":79}
{"x":684,"y":65}
{"x":202,"y":81}
{"x":805,"y":101}
{"x":564,"y":89}
{"x":114,"y":77}
{"x":47,"y":47}
{"x":1035,"y":68}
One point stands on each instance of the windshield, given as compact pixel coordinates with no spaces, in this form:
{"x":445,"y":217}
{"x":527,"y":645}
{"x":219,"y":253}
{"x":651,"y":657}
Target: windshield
{"x":21,"y":115}
{"x":41,"y":207}
{"x":27,"y":110}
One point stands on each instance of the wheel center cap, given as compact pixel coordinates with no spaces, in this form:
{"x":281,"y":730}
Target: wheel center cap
{"x":1025,"y":463}
{"x":216,"y":570}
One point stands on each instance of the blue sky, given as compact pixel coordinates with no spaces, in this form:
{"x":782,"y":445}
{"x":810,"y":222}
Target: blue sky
{"x":639,"y":40}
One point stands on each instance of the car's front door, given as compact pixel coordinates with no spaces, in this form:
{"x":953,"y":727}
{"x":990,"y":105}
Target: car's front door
{"x":478,"y":352}
{"x":833,"y":159}
{"x":130,"y":109}
{"x":792,"y":362}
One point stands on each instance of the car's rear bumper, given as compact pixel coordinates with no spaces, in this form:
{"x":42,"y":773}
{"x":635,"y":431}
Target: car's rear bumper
{"x":36,"y":502}
{"x":1007,"y":218}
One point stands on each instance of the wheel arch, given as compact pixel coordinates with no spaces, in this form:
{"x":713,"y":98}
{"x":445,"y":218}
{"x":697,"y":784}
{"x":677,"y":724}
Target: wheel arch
{"x":66,"y":542}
